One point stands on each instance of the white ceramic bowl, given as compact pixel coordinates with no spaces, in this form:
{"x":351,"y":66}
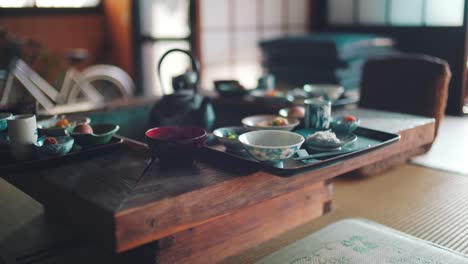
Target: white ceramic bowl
{"x":330,"y":92}
{"x":255,"y":123}
{"x":271,"y":145}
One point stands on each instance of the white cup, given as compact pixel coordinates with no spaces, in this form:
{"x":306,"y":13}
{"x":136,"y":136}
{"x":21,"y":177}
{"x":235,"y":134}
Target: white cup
{"x":22,"y":131}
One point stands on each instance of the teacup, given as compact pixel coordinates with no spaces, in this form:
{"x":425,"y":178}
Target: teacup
{"x":22,"y":132}
{"x":317,"y":114}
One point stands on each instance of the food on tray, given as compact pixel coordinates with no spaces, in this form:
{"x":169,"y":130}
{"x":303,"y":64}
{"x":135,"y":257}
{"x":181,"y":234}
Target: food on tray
{"x":62,"y":123}
{"x":297,"y":111}
{"x":83,"y":129}
{"x":231,"y":135}
{"x":324,"y":137}
{"x":277,"y":121}
{"x":349,"y":118}
{"x":280,"y":121}
{"x":50,"y":141}
{"x":272,"y":93}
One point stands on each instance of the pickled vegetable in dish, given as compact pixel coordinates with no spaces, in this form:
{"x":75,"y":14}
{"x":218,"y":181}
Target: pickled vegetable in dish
{"x":272,"y":93}
{"x":324,"y":137}
{"x":349,"y":118}
{"x":280,"y":121}
{"x":277,"y":121}
{"x":50,"y":141}
{"x":62,"y":123}
{"x":231,"y":135}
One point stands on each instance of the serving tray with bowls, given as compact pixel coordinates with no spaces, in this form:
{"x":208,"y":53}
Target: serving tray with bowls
{"x":58,"y":140}
{"x":308,"y":156}
{"x":44,"y":157}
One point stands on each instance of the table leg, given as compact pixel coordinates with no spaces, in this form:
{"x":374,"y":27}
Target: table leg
{"x":233,"y":233}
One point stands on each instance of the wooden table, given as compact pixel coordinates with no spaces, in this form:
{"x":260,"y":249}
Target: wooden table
{"x":202,"y":213}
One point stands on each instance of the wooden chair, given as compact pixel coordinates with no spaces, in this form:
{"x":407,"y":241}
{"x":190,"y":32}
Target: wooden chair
{"x":406,"y":83}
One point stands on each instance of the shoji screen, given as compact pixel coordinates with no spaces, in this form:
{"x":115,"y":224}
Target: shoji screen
{"x":231,"y":30}
{"x":396,"y":12}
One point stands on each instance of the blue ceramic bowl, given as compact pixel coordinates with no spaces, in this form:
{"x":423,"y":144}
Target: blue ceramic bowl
{"x":3,"y":120}
{"x":230,"y":88}
{"x":65,"y":144}
{"x":223,"y":136}
{"x":271,"y":145}
{"x":340,"y":126}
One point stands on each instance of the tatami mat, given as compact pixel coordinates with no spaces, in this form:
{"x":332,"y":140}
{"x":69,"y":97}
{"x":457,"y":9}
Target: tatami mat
{"x":450,"y":150}
{"x":16,"y":209}
{"x":426,"y":203}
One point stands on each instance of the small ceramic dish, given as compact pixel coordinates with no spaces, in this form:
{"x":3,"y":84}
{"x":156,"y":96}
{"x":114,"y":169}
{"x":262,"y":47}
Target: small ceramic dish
{"x":229,"y":137}
{"x":271,"y":145}
{"x":298,"y":95}
{"x":340,"y":125}
{"x":269,"y":96}
{"x":173,"y":144}
{"x":306,"y":132}
{"x":230,"y":88}
{"x":319,"y":149}
{"x":63,"y":146}
{"x":3,"y":120}
{"x":102,"y":134}
{"x":330,"y":92}
{"x":48,"y":126}
{"x":343,"y":140}
{"x":264,"y":122}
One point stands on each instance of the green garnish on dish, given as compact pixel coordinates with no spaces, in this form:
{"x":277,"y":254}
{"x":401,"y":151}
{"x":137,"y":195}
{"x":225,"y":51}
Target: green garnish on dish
{"x":231,"y":135}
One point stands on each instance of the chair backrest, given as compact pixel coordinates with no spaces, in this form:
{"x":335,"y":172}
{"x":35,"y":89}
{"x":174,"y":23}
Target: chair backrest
{"x":406,"y":83}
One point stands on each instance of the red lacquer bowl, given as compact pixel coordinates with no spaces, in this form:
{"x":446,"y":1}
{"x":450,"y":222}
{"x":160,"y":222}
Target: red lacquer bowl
{"x":174,"y":143}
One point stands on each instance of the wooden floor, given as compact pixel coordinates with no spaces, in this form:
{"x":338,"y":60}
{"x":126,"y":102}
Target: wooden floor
{"x":429,"y":204}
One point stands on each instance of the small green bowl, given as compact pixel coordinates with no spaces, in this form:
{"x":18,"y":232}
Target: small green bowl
{"x":102,"y":134}
{"x":3,"y":120}
{"x":65,"y":144}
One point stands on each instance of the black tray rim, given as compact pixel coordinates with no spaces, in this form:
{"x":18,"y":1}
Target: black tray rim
{"x":116,"y":141}
{"x":287,"y":172}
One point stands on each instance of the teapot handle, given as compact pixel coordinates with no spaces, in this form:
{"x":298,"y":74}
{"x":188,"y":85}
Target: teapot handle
{"x":194,"y":62}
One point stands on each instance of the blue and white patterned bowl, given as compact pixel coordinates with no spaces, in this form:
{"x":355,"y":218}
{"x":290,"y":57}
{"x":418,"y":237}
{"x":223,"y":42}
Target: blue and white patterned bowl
{"x":271,"y":145}
{"x":3,"y":120}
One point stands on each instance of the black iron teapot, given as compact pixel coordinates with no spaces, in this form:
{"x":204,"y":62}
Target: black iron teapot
{"x":185,"y":107}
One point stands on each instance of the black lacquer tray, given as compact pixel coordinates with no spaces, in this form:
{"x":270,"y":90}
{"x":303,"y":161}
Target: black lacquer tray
{"x":8,"y":163}
{"x":367,"y":140}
